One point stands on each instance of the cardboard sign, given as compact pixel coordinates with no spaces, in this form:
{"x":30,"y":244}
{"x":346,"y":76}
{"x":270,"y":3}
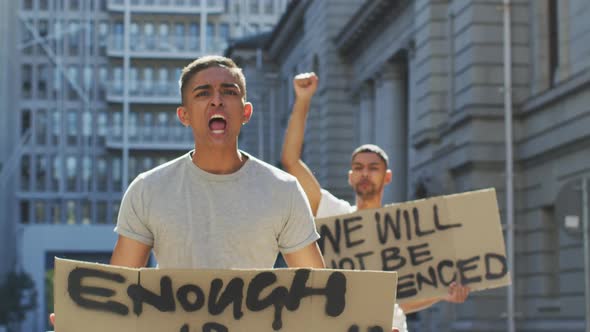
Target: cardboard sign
{"x":430,"y":243}
{"x":93,"y":297}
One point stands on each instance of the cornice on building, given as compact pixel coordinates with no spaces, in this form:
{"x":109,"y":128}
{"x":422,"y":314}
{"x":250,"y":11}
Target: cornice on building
{"x":366,"y":20}
{"x":291,"y":21}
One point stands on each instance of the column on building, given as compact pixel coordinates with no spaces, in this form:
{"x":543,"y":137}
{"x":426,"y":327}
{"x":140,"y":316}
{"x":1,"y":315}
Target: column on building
{"x":367,"y":113}
{"x":390,"y":127}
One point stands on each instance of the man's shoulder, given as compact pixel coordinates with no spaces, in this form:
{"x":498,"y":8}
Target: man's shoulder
{"x":165,"y":172}
{"x":270,"y":172}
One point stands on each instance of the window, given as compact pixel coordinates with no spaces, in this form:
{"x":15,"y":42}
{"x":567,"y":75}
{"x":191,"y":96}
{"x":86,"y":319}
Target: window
{"x":57,"y":81}
{"x":43,"y":28}
{"x":25,"y":216}
{"x":27,"y":78}
{"x":553,"y":44}
{"x":43,"y":4}
{"x":115,"y":211}
{"x":102,"y":124}
{"x":179,"y":36}
{"x":103,"y":32}
{"x":86,"y":124}
{"x":27,"y":4}
{"x":41,"y":127}
{"x":42,"y":81}
{"x":150,"y":39}
{"x":134,"y":37}
{"x":88,"y":77}
{"x":118,"y":38}
{"x":163,"y":81}
{"x":224,"y":32}
{"x":268,"y":6}
{"x":55,"y":126}
{"x":101,"y":171}
{"x":132,"y":126}
{"x":133,"y":81}
{"x":163,"y":36}
{"x":194,"y":35}
{"x":117,"y":125}
{"x":42,"y":169}
{"x":148,"y":80}
{"x":254,"y":7}
{"x":116,"y":172}
{"x":74,"y":38}
{"x":87,"y":173}
{"x":74,"y":5}
{"x":71,"y":171}
{"x":25,"y":173}
{"x":71,"y":212}
{"x":56,"y":173}
{"x":86,"y":217}
{"x":210,"y":36}
{"x":56,"y":212}
{"x":118,"y":80}
{"x":25,"y":122}
{"x":40,"y":214}
{"x":72,"y":127}
{"x":73,"y":76}
{"x":101,"y":212}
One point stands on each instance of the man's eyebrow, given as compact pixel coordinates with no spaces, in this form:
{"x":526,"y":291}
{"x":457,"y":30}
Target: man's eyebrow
{"x":202,"y":87}
{"x":230,"y":85}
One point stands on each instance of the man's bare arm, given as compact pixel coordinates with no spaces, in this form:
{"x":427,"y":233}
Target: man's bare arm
{"x":456,"y":294}
{"x":309,"y":256}
{"x":130,"y":253}
{"x":305,"y":86}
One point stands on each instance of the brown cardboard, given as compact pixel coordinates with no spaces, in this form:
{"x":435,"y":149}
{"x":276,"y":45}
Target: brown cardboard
{"x":357,"y":298}
{"x":449,"y":238}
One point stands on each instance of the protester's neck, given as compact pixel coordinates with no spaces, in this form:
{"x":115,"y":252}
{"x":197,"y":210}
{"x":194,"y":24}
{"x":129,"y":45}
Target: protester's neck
{"x":218,"y":160}
{"x":362,"y":204}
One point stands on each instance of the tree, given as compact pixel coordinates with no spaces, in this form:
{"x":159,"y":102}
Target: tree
{"x":17,"y":296}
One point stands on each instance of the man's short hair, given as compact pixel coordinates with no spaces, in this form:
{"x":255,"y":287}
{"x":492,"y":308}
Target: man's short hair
{"x":371,"y":148}
{"x":209,"y":61}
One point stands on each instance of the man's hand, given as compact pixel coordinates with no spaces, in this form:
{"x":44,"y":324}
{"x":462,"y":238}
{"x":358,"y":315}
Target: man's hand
{"x":305,"y":85}
{"x":457,"y":293}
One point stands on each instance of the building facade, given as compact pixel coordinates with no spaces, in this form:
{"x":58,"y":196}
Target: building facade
{"x":89,"y":101}
{"x":424,"y":79}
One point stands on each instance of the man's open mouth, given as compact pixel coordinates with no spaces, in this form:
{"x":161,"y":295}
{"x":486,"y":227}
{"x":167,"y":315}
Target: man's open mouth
{"x":217,"y":124}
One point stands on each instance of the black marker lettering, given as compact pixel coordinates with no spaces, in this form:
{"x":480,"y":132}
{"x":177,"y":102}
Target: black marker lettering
{"x":77,"y":291}
{"x":392,"y":254}
{"x":437,"y":224}
{"x":348,"y":230}
{"x":183,"y":297}
{"x":163,"y":302}
{"x":465,"y":265}
{"x":503,"y":266}
{"x":389,"y":224}
{"x":325,"y":233}
{"x":419,"y":232}
{"x":234,"y":292}
{"x":415,"y":254}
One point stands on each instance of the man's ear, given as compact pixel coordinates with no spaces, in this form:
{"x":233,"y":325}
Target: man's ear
{"x":248,"y":109}
{"x":349,"y":176}
{"x":388,"y":176}
{"x":182,"y":115}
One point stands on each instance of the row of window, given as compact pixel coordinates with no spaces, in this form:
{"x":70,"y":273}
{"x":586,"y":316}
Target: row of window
{"x":78,"y":127}
{"x":255,"y":7}
{"x":70,"y":5}
{"x":50,"y":80}
{"x":64,"y":211}
{"x":76,"y":173}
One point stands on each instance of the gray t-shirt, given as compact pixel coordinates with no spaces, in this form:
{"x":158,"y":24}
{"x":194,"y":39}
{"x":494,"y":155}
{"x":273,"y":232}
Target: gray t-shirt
{"x":195,"y":219}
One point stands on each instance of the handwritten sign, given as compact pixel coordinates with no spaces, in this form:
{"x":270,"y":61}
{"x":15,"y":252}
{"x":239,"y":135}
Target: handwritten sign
{"x":93,"y":297}
{"x":430,"y":242}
